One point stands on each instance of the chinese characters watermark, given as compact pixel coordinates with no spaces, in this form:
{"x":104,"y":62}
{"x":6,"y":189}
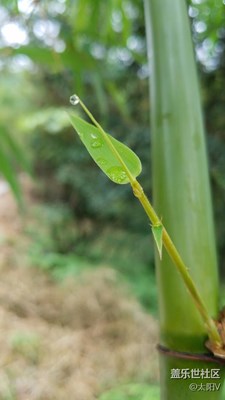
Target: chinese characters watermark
{"x":208,"y":387}
{"x":195,"y":373}
{"x":198,"y":373}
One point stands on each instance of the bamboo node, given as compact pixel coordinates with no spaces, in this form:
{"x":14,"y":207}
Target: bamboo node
{"x":218,"y":350}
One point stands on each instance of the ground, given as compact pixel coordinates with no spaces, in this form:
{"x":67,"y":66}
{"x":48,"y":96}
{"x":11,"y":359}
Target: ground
{"x":70,"y":340}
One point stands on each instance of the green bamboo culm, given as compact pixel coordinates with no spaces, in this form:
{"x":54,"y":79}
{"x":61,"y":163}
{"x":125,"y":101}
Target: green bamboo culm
{"x":180,"y":186}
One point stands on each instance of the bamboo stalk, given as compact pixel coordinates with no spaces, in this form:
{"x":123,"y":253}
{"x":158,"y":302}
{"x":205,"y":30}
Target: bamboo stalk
{"x":180,"y":187}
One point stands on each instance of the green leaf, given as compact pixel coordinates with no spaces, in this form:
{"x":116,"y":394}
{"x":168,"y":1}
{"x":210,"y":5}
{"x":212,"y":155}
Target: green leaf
{"x":157,"y":231}
{"x":10,"y":175}
{"x":104,"y":154}
{"x":14,"y":149}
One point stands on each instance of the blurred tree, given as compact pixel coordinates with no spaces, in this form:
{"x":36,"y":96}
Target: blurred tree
{"x":67,"y":53}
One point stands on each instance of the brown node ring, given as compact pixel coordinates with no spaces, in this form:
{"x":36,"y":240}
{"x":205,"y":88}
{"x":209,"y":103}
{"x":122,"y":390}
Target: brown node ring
{"x":190,"y":356}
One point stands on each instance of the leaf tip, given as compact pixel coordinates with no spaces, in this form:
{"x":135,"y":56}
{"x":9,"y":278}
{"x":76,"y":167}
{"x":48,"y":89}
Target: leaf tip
{"x":157,"y":231}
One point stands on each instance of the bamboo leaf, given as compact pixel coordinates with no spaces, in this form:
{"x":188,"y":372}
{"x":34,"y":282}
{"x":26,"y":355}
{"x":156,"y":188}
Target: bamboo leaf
{"x":10,"y":175}
{"x":157,"y":231}
{"x":104,"y":152}
{"x":14,"y":149}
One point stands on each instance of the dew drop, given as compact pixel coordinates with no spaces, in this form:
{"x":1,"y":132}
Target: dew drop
{"x":117,"y":174}
{"x":96,"y":143}
{"x":101,"y":161}
{"x":94,"y":135}
{"x":74,"y":100}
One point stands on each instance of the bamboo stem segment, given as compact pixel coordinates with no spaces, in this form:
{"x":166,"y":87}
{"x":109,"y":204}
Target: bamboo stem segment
{"x":180,"y":265}
{"x":181,"y":192}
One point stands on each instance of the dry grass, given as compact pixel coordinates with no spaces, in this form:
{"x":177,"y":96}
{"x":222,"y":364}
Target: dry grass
{"x":66,"y":341}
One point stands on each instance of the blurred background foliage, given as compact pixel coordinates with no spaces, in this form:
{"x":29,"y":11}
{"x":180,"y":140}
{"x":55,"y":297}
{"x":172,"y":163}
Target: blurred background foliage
{"x":51,"y":49}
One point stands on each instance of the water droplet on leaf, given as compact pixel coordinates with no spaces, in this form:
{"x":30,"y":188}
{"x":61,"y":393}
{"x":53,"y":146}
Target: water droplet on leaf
{"x":74,"y":99}
{"x":96,"y":143}
{"x":94,"y":135}
{"x":101,"y":161}
{"x":117,"y":174}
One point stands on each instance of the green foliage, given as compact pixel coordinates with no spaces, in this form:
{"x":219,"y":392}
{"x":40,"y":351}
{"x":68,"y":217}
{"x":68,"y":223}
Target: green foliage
{"x":53,"y":120}
{"x":86,"y":244}
{"x":95,"y":60}
{"x":9,"y":174}
{"x":132,"y":392}
{"x":12,"y":155}
{"x":52,"y":234}
{"x":114,"y":158}
{"x":61,"y":37}
{"x":208,"y":20}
